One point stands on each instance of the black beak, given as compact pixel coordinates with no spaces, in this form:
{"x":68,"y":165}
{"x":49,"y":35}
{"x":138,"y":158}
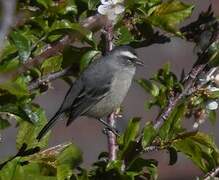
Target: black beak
{"x":138,"y":62}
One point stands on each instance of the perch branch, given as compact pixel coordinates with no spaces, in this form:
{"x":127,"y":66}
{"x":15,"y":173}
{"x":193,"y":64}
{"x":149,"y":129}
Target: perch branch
{"x":112,"y":146}
{"x":47,"y":78}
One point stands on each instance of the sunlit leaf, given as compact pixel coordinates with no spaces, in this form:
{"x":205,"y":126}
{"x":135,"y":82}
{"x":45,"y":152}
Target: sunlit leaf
{"x":149,"y":87}
{"x":17,"y":87}
{"x":52,"y":64}
{"x":67,"y":160}
{"x":201,"y":149}
{"x":22,"y":44}
{"x":148,"y":134}
{"x":169,"y":14}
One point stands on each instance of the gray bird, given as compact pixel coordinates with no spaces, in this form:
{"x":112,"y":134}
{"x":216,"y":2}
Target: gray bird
{"x":100,"y":89}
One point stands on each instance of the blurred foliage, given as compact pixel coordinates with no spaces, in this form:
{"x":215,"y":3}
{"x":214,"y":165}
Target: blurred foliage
{"x":41,"y":23}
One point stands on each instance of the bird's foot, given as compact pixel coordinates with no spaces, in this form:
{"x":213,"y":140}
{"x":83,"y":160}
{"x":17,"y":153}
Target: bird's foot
{"x":108,"y":128}
{"x":118,"y":113}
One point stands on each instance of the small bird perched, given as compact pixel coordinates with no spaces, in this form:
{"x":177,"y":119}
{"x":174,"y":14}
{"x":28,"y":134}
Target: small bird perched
{"x":100,"y":89}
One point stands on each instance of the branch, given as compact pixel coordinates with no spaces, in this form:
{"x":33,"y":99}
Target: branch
{"x":47,"y":78}
{"x":189,"y":82}
{"x":112,"y":145}
{"x":92,"y":23}
{"x":173,"y":101}
{"x":211,"y":175}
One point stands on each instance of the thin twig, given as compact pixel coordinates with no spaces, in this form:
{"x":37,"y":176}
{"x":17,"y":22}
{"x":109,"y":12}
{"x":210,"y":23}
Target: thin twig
{"x":47,"y":78}
{"x":211,"y":175}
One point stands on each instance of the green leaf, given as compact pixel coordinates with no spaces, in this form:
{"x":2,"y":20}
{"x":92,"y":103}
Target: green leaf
{"x":169,"y":14}
{"x":87,"y":58}
{"x":70,"y":7}
{"x":213,"y":94}
{"x":17,"y":87}
{"x":213,"y":53}
{"x":139,"y":164}
{"x":114,"y":165}
{"x":45,"y":3}
{"x":149,"y":134}
{"x":72,"y":57}
{"x":14,"y":170}
{"x":52,"y":64}
{"x":201,"y":149}
{"x":92,"y":4}
{"x":131,"y":132}
{"x":172,"y":125}
{"x":63,"y":26}
{"x":173,"y":155}
{"x":212,"y":115}
{"x":127,"y":141}
{"x":20,"y":111}
{"x":22,"y":44}
{"x":67,"y":160}
{"x":149,"y":87}
{"x":28,"y":132}
{"x":124,"y":36}
{"x":4,"y":124}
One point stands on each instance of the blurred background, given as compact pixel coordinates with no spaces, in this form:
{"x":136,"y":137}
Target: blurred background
{"x":87,"y":133}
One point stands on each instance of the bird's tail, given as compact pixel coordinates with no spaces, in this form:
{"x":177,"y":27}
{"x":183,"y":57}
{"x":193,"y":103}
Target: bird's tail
{"x":48,"y":126}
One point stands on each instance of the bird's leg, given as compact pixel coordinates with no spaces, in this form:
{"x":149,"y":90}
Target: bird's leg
{"x":108,"y":127}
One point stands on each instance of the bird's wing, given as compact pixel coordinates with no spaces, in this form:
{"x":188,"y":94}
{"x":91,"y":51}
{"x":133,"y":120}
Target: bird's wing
{"x":72,"y":93}
{"x":87,"y":98}
{"x":89,"y":89}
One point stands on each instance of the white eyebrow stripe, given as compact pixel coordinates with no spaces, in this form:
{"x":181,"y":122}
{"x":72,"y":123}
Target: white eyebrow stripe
{"x":128,"y":54}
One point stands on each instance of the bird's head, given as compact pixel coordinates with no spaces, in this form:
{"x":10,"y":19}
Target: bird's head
{"x":127,"y":55}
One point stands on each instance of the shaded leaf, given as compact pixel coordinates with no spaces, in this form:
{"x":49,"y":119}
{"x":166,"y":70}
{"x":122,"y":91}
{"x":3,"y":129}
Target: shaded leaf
{"x":45,"y":3}
{"x":87,"y":58}
{"x":124,"y":36}
{"x":4,"y":124}
{"x":67,"y":160}
{"x":28,"y":132}
{"x":173,"y":155}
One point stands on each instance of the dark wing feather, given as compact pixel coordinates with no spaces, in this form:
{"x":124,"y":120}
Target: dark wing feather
{"x":72,"y":93}
{"x":87,"y":100}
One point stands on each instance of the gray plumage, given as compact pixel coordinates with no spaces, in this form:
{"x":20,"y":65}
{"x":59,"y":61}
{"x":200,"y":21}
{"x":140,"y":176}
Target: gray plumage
{"x":100,"y":89}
